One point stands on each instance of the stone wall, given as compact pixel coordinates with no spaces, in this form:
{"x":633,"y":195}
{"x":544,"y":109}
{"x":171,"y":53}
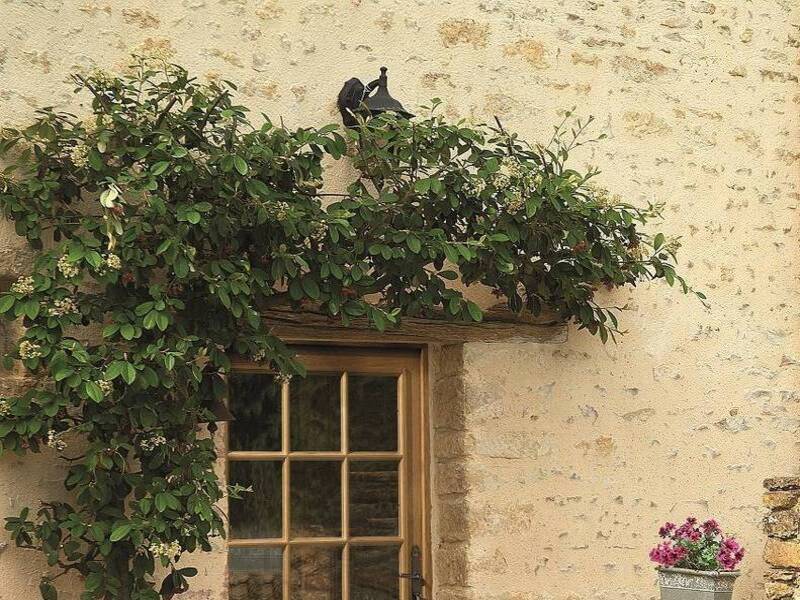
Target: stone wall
{"x":554,"y":464}
{"x":782,"y":525}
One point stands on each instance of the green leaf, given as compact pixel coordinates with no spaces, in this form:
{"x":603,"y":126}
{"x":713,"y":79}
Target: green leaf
{"x":62,"y":372}
{"x":423,"y":186}
{"x":96,"y":160}
{"x":120,"y":532}
{"x":474,"y":311}
{"x":128,"y":373}
{"x":240,"y":165}
{"x":164,"y":246}
{"x":6,"y":302}
{"x":311,"y":288}
{"x":414,"y":244}
{"x":256,"y":188}
{"x":107,"y":198}
{"x":93,"y":391}
{"x":47,"y":591}
{"x":31,"y":309}
{"x":159,"y":167}
{"x":127,"y":331}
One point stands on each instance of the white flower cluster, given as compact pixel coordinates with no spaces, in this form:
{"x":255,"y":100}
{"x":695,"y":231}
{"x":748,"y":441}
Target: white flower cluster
{"x":105,"y":386}
{"x":475,"y":186}
{"x":282,"y":378}
{"x":513,"y":168}
{"x":636,"y":252}
{"x":68,"y":269}
{"x":102,"y":76}
{"x":92,"y":124}
{"x":6,"y":179}
{"x":672,"y":245}
{"x":281,"y":210}
{"x":533,"y":180}
{"x":311,"y":184}
{"x":23,"y":285}
{"x":55,"y":442}
{"x":165,"y":550}
{"x":500,"y":180}
{"x":198,"y":156}
{"x":5,"y":408}
{"x":28,"y":349}
{"x":64,"y":306}
{"x":602,"y":197}
{"x":151,"y":443}
{"x":318,"y":232}
{"x":113,"y":262}
{"x":259,"y":355}
{"x":514,"y":201}
{"x":79,"y":155}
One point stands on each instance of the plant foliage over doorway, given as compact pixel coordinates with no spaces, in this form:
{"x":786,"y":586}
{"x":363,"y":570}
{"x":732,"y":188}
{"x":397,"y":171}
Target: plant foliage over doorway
{"x":163,"y":223}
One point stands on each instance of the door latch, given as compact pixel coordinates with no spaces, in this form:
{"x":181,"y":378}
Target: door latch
{"x":415,"y":576}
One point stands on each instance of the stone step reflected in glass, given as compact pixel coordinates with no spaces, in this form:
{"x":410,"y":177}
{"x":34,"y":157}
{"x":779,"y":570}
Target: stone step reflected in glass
{"x":315,"y":413}
{"x":374,"y":498}
{"x":255,"y":573}
{"x":316,"y":573}
{"x":255,"y":402}
{"x":258,"y":513}
{"x":374,"y":573}
{"x":316,"y":498}
{"x":372,"y":411}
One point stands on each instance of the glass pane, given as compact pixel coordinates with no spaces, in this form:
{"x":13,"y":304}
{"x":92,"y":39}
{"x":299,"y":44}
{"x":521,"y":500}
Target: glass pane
{"x":373,"y":498}
{"x":315,"y":413}
{"x":316,"y":573}
{"x":255,"y":401}
{"x":373,"y":413}
{"x":374,"y":573}
{"x":255,"y":573}
{"x":258,"y":513}
{"x":316,"y":493}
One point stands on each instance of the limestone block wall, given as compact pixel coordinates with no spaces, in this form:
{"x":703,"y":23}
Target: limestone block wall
{"x":554,"y":464}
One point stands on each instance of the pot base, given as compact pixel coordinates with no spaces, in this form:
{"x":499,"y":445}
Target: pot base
{"x":686,"y":584}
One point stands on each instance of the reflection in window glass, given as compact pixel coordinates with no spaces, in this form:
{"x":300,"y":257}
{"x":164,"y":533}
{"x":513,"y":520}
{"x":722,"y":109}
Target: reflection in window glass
{"x":316,"y":573}
{"x":316,"y":496}
{"x":258,"y":513}
{"x":314,"y":409}
{"x":255,"y":574}
{"x":372,"y":409}
{"x":255,"y":402}
{"x":373,"y":498}
{"x":374,"y":573}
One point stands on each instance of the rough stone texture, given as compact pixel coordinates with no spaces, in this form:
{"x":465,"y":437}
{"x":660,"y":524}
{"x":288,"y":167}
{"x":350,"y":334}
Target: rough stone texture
{"x":552,"y":466}
{"x":782,"y":525}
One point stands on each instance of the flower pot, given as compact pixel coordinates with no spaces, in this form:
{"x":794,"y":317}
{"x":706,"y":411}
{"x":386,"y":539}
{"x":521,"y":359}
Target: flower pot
{"x":686,"y":584}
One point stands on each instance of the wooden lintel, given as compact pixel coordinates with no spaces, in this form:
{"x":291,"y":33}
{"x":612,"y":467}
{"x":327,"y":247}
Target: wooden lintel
{"x":310,"y":326}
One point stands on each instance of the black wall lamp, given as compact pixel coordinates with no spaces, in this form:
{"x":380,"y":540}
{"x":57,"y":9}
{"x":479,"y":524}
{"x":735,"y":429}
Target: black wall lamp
{"x":356,"y":98}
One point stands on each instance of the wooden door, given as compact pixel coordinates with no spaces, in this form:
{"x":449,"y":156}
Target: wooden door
{"x":336,"y":464}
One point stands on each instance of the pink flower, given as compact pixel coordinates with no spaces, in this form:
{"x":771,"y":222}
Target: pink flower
{"x":710,"y":527}
{"x":667,"y":555}
{"x":666,"y":529}
{"x":690,"y":544}
{"x":688,"y":531}
{"x":730,"y":554}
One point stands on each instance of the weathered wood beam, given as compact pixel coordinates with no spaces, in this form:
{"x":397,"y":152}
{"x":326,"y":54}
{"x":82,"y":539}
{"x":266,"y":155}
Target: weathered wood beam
{"x":498,"y":326}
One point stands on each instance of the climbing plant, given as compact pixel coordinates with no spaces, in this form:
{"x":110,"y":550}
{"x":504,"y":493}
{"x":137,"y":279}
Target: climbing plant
{"x":164,"y":222}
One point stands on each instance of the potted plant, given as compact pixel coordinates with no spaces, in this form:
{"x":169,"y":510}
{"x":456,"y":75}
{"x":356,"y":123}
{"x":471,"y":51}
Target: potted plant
{"x":696,"y":562}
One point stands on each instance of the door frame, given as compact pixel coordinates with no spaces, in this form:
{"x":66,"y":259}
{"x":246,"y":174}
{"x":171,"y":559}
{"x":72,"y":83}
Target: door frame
{"x":410,"y":362}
